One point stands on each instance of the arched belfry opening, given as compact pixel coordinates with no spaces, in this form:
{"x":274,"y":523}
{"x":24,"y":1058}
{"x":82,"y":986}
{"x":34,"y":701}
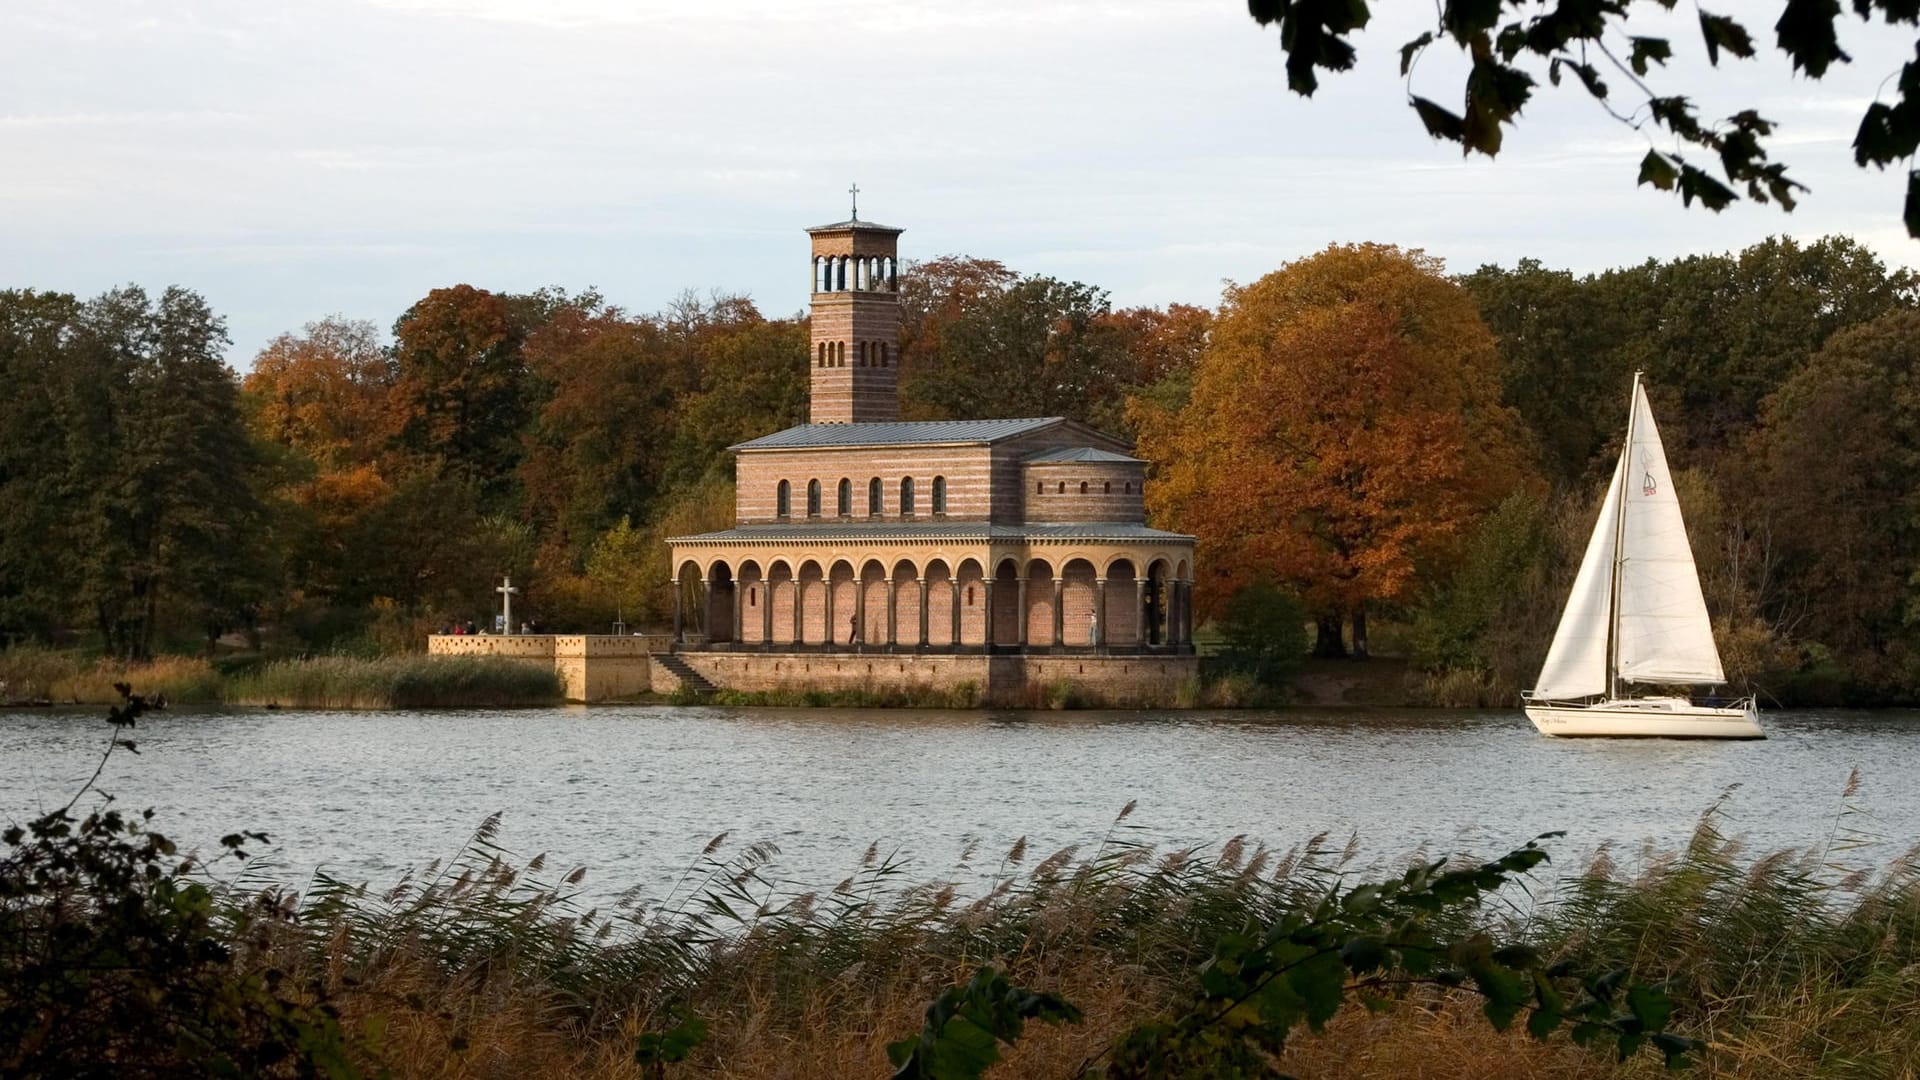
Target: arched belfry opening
{"x":855,"y":300}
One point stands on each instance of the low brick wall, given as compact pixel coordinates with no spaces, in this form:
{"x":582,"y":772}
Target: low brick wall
{"x":592,"y":667}
{"x":1004,"y":680}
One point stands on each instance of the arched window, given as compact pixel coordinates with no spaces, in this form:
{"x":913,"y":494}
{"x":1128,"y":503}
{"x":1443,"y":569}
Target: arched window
{"x":906,"y":496}
{"x":873,"y":497}
{"x":1106,"y":488}
{"x":1060,"y":488}
{"x":883,"y":353}
{"x":751,"y":593}
{"x":822,"y":360}
{"x":813,"y":498}
{"x":841,"y":348}
{"x":939,"y":494}
{"x":783,"y":500}
{"x":846,"y":498}
{"x":860,"y":354}
{"x":969,"y":596}
{"x":1083,"y":487}
{"x":1039,"y":487}
{"x":839,"y":275}
{"x":1129,"y":490}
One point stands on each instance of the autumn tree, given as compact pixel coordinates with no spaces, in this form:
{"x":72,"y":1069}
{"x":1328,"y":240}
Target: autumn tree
{"x":324,"y":393}
{"x":1343,"y":432}
{"x":597,"y":451}
{"x":752,"y":378}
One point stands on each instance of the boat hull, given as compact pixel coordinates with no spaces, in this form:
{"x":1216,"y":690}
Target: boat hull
{"x":1659,"y":718}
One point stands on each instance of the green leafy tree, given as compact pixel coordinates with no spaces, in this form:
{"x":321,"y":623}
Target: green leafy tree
{"x":1264,"y":633}
{"x":160,"y":466}
{"x":1512,"y":47}
{"x":1842,"y":449}
{"x":1032,"y":346}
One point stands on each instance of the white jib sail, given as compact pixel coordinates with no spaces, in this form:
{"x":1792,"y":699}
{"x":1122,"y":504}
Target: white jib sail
{"x":1576,"y":664}
{"x":1664,"y":633}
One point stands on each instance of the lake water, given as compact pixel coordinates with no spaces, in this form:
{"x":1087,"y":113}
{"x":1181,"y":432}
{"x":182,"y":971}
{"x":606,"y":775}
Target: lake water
{"x":634,"y":793}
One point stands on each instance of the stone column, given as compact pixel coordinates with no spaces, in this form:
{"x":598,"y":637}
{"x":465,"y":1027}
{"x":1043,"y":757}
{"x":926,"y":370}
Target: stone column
{"x":1139,"y":610}
{"x":706,"y":608}
{"x":893,"y":613}
{"x":766,"y":614}
{"x":923,"y":612}
{"x":1059,"y":616}
{"x":953,"y":591}
{"x":679,"y":619}
{"x":1099,"y":612}
{"x":799,"y":628}
{"x":986,"y":598}
{"x":1020,"y":601}
{"x":1178,"y":629}
{"x":828,"y":583}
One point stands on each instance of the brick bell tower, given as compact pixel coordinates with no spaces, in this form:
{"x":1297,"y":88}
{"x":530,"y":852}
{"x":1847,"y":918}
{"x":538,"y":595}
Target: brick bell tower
{"x":856,"y":322}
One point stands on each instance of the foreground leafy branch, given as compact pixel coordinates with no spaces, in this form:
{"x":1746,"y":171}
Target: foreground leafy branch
{"x":1371,"y":942}
{"x":1589,"y":41}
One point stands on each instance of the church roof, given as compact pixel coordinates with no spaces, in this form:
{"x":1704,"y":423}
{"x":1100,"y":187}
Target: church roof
{"x":855,"y":223}
{"x":977,"y":531}
{"x":896,"y":433}
{"x":1080,"y":453}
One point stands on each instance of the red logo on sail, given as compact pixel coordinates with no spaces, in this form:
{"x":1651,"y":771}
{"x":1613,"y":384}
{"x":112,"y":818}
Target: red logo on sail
{"x":1647,"y":485}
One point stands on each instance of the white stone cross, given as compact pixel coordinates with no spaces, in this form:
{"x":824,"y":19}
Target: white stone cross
{"x":506,"y":590}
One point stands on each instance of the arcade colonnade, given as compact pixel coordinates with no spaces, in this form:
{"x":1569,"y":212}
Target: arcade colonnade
{"x":1113,"y":601}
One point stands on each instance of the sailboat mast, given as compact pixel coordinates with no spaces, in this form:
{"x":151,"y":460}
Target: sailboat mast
{"x":1619,"y":553}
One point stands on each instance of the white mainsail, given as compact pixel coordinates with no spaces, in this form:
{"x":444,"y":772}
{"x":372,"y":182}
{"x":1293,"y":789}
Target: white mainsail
{"x":1664,"y":634}
{"x":1576,"y":664}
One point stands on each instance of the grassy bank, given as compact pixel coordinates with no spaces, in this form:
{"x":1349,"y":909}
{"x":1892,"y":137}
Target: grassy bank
{"x":324,"y":682}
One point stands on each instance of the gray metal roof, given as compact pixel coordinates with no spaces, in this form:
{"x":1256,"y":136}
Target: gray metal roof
{"x":896,"y":433}
{"x":967,"y":531}
{"x":1080,"y":453}
{"x":855,"y":223}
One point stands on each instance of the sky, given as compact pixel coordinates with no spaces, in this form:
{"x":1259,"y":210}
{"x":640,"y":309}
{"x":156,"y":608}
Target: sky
{"x":298,"y":159}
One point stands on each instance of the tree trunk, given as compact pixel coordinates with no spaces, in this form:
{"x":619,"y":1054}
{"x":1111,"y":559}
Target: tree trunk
{"x":1326,"y":642}
{"x":1360,"y":634}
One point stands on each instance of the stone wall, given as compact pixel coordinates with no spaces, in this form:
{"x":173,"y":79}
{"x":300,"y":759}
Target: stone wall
{"x":592,"y":667}
{"x":1007,"y":680}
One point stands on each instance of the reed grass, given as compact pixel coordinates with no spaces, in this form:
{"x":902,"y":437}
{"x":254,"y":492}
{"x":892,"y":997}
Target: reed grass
{"x":396,"y":682}
{"x":1789,"y":964}
{"x":31,"y":675}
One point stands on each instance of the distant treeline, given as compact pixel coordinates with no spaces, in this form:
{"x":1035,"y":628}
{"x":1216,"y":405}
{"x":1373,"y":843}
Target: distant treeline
{"x":1401,"y":449}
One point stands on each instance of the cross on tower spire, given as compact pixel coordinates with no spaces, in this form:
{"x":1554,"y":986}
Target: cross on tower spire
{"x":855,"y":192}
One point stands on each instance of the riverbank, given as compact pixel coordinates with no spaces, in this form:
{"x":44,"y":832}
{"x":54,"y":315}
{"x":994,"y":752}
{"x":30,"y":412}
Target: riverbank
{"x":44,"y":677}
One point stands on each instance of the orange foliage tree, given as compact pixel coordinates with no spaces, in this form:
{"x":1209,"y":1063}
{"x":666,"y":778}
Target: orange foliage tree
{"x":323,"y":392}
{"x":1343,"y":431}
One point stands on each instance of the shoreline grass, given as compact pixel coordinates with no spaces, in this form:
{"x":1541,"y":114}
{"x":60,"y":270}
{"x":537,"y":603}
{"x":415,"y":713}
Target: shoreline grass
{"x":34,"y":676}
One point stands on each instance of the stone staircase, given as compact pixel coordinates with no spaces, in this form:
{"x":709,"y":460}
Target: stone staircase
{"x":682,"y":671}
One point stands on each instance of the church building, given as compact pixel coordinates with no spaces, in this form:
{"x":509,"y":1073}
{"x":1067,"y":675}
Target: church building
{"x":871,"y":549}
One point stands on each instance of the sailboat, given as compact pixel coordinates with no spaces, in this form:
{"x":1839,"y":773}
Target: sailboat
{"x":1636,"y":617}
